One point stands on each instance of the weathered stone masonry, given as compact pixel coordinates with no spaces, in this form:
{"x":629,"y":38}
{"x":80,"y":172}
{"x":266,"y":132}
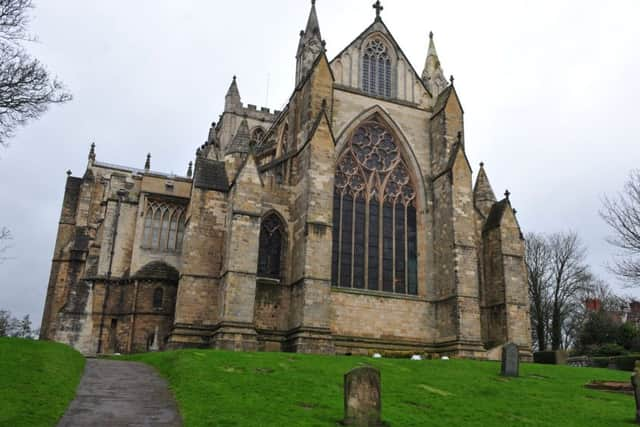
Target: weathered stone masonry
{"x":255,"y":248}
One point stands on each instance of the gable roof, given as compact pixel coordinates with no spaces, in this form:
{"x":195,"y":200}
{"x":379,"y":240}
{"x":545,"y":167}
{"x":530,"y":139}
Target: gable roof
{"x":443,"y":99}
{"x":495,"y":215}
{"x":395,"y":45}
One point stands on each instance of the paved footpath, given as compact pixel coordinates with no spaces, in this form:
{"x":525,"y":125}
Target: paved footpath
{"x":117,"y":394}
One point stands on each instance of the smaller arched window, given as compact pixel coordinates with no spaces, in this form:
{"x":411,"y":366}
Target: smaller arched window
{"x":376,"y":69}
{"x":271,"y":245}
{"x":257,"y":135}
{"x":158,"y":297}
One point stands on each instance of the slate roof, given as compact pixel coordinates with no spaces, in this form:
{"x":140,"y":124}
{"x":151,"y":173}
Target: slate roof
{"x":495,"y":215}
{"x":210,"y":175}
{"x":240,"y":142}
{"x":442,"y":100}
{"x":158,"y":270}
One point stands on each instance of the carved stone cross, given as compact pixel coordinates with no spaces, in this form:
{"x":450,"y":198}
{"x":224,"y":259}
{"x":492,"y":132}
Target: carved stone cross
{"x":378,"y":7}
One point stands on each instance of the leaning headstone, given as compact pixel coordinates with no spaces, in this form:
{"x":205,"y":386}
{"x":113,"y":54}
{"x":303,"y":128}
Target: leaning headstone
{"x":635,"y":383}
{"x":154,"y":344}
{"x":510,"y":360}
{"x":362,"y":397}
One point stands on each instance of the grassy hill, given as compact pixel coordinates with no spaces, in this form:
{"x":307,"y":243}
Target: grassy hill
{"x":281,"y":389}
{"x":37,"y":381}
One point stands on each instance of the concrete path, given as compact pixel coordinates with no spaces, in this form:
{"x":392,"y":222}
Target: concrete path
{"x":116,"y":394}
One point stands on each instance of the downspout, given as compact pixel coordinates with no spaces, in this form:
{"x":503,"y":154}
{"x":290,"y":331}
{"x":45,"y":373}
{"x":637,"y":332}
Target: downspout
{"x":133,"y":317}
{"x":121,"y":195}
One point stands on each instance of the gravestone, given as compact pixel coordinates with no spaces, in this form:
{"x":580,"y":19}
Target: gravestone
{"x":362,"y":397}
{"x":155,"y":344}
{"x":510,"y":360}
{"x":635,"y":383}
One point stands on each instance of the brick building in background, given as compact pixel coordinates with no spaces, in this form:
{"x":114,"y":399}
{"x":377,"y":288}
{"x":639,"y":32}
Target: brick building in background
{"x":347,"y":223}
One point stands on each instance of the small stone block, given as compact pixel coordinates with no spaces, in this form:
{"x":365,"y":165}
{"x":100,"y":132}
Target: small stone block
{"x":510,"y":360}
{"x":362,"y":397}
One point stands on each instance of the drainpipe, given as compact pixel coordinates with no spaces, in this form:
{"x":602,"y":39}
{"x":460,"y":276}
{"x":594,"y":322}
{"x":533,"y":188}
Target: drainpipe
{"x":133,"y":317}
{"x":121,"y":195}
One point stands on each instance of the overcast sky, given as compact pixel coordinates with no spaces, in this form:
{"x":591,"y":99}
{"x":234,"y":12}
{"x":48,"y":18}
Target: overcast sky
{"x":550,"y":91}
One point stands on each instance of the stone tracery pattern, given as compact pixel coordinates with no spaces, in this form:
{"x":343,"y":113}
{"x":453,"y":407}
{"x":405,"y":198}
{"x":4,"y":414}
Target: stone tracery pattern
{"x":374,"y":217}
{"x":164,"y":226}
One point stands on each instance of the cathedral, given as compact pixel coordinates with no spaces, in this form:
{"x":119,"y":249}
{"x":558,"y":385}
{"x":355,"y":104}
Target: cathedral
{"x":347,"y":223}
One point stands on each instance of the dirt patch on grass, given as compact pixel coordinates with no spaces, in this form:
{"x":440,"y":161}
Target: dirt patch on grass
{"x":611,"y":386}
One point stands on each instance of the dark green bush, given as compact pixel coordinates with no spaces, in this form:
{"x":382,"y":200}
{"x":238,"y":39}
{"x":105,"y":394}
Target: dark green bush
{"x":550,"y":357}
{"x":623,"y":363}
{"x":608,"y":350}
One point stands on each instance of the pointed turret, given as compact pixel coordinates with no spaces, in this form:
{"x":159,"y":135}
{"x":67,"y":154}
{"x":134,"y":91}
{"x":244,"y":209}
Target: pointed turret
{"x":483,"y":195}
{"x":432,"y":75}
{"x":232,"y":100}
{"x":310,"y":46}
{"x":92,"y":153}
{"x":240,"y":142}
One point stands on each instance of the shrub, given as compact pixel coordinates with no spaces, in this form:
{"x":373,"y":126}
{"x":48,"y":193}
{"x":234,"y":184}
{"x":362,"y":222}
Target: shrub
{"x":550,"y":357}
{"x":607,"y":350}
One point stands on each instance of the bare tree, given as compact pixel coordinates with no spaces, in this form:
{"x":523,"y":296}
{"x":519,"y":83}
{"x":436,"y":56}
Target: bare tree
{"x":538,"y":262}
{"x":622,"y":213}
{"x":5,"y":236}
{"x":570,"y":278}
{"x":26,"y":88}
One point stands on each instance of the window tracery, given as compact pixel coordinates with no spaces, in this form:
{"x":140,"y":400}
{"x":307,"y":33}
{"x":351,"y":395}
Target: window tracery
{"x":164,"y":226}
{"x":271,"y":246}
{"x":374,"y":215}
{"x":257,"y":135}
{"x":376,"y":69}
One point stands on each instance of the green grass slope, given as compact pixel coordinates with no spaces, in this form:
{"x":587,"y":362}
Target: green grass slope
{"x":215,"y":388}
{"x":38,"y":380}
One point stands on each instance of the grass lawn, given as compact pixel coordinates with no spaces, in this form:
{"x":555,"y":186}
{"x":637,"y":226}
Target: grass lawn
{"x":38,"y":380}
{"x":216,"y":388}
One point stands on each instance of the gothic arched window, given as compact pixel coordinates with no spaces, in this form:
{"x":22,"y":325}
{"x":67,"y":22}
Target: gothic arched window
{"x":376,"y":69}
{"x":158,"y":297}
{"x":164,"y":225}
{"x":271,"y":246}
{"x":256,"y":135}
{"x":374,"y":215}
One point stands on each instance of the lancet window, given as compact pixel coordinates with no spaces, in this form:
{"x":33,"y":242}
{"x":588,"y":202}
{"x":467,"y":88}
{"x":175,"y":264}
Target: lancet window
{"x":272,"y":236}
{"x":374,"y":215}
{"x":158,"y":298}
{"x":376,"y":69}
{"x":164,"y":226}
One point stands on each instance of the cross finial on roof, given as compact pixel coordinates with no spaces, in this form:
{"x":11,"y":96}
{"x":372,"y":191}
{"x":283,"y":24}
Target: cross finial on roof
{"x":378,"y":7}
{"x":431,"y":34}
{"x":507,"y":194}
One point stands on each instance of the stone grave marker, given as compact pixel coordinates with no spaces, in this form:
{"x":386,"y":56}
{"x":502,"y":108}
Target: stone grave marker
{"x":510,"y":360}
{"x":362,"y":397}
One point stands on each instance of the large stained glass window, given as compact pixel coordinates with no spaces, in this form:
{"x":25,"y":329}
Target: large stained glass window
{"x":374,"y":215}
